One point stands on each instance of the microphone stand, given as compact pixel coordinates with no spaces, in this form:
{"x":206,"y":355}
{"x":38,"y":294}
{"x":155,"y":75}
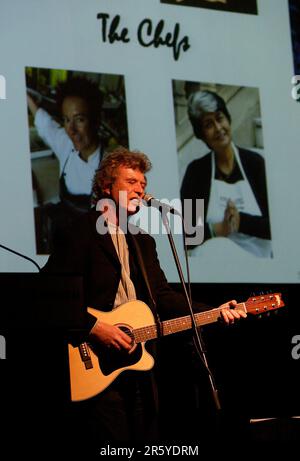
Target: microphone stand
{"x":198,"y":340}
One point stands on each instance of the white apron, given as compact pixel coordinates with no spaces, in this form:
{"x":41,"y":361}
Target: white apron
{"x":243,"y":197}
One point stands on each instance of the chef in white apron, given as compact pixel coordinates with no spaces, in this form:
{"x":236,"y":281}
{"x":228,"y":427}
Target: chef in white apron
{"x":241,"y":194}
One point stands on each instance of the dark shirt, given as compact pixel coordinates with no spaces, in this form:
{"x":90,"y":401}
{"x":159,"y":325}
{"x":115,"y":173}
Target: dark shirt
{"x":234,"y":176}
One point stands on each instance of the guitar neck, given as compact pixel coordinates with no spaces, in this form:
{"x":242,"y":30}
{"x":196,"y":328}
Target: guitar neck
{"x":168,"y":327}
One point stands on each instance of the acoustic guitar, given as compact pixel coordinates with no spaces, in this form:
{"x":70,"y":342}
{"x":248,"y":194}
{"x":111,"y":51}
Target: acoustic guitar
{"x":93,"y":367}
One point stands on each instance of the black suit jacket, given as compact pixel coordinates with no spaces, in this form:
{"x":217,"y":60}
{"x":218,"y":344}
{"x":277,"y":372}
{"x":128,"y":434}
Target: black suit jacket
{"x":93,"y":256}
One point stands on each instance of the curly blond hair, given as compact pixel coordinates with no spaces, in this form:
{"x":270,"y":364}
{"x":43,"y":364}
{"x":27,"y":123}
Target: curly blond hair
{"x":107,"y":172}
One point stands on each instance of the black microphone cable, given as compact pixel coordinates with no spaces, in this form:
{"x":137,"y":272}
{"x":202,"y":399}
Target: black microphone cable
{"x":21,"y":255}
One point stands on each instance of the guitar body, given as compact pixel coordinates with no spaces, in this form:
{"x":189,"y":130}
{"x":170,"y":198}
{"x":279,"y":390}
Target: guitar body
{"x":90,"y":377}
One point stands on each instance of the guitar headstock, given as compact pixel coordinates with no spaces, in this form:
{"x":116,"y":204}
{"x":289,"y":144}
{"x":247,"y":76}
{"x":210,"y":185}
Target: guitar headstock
{"x":264,"y":303}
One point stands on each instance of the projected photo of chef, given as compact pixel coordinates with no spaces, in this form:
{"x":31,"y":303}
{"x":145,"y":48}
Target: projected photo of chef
{"x":74,"y":118}
{"x":221,"y":160}
{"x":236,"y":6}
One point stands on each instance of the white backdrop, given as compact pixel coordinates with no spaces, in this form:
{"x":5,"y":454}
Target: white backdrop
{"x":228,"y":48}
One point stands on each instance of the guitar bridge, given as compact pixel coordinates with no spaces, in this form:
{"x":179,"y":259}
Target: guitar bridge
{"x":85,"y":356}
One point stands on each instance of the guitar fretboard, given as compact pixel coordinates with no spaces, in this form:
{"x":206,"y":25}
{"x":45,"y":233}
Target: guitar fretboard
{"x":168,"y":327}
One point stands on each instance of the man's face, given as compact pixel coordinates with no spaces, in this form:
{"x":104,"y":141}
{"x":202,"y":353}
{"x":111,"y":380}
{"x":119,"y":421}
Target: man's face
{"x":77,"y":123}
{"x":128,"y":189}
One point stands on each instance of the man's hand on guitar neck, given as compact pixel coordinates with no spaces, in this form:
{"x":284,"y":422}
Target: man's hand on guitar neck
{"x":229,"y":314}
{"x":111,"y":336}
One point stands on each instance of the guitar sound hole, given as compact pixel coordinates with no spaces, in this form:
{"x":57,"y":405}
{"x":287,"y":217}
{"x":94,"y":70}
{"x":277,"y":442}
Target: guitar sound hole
{"x":129,"y":333}
{"x":111,"y":359}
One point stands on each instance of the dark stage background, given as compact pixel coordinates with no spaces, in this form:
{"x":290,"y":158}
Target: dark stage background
{"x":255,"y":374}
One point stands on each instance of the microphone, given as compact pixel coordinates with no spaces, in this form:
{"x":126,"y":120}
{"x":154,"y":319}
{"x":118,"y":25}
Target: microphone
{"x":22,"y":256}
{"x":149,"y":200}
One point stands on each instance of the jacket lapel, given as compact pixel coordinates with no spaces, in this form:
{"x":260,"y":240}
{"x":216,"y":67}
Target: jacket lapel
{"x":103,"y":238}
